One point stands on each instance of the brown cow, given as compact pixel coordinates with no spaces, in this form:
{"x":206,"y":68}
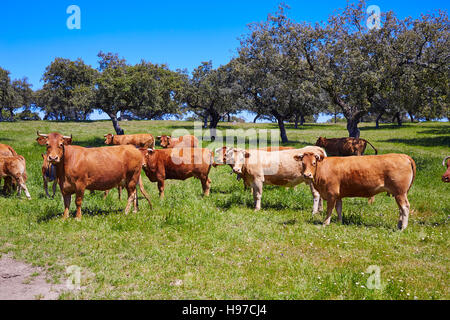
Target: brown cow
{"x":143,"y":140}
{"x":186,"y":141}
{"x":15,"y":168}
{"x":178,"y":164}
{"x":6,"y":151}
{"x":446,"y":176}
{"x":278,"y":168}
{"x":48,"y":175}
{"x":342,"y":177}
{"x":79,"y":169}
{"x":343,"y":147}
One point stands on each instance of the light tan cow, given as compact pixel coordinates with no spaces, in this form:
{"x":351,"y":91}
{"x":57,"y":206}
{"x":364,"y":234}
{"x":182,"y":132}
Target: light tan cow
{"x":257,"y":168}
{"x":15,"y":168}
{"x":187,"y":141}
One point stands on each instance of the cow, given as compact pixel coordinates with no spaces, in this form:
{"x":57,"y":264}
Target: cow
{"x":336,"y":178}
{"x":343,"y":147}
{"x":6,"y":151}
{"x":15,"y":168}
{"x":48,"y":175}
{"x":103,"y":168}
{"x":178,"y":164}
{"x":279,"y":168}
{"x":143,"y":140}
{"x":446,"y":163}
{"x":186,"y":141}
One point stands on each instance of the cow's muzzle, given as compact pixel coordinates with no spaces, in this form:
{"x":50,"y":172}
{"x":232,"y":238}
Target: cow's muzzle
{"x":446,"y":178}
{"x":237,"y":170}
{"x":307,"y":175}
{"x":53,"y":159}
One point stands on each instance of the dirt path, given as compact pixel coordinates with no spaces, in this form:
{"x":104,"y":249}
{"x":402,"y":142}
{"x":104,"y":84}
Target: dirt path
{"x":21,"y":281}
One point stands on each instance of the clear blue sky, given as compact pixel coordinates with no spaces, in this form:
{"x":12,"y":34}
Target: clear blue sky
{"x":179,"y":33}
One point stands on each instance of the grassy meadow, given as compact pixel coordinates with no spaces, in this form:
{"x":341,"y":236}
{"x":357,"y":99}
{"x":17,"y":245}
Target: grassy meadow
{"x":191,"y":247}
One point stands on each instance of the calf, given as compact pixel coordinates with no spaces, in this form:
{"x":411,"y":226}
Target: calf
{"x":7,"y":151}
{"x":446,"y":163}
{"x":344,"y":146}
{"x":186,"y":141}
{"x":278,"y":168}
{"x":178,"y":164}
{"x":144,"y":140}
{"x":48,"y":175}
{"x":341,"y":177}
{"x":15,"y":168}
{"x":79,"y":169}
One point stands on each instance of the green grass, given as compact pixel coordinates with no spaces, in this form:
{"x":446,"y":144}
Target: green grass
{"x":218,"y":246}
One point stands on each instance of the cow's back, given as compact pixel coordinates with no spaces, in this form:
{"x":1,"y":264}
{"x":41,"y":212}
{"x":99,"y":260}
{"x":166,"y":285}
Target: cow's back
{"x":6,"y":150}
{"x":183,"y":163}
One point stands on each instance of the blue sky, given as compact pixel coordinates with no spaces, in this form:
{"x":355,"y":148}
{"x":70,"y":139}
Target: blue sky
{"x":179,"y":33}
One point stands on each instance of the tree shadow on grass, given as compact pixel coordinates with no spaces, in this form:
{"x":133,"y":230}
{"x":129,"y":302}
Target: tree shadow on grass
{"x":424,"y":142}
{"x":51,"y":213}
{"x":93,"y":142}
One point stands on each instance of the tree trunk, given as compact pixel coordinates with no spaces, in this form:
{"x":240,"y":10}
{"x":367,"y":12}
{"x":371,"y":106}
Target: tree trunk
{"x":205,"y":121}
{"x":398,"y":117}
{"x":229,"y":117}
{"x":296,"y":121}
{"x":117,"y":128}
{"x":302,"y":120}
{"x":284,"y":138}
{"x":256,"y":118}
{"x":213,"y":126}
{"x":377,"y":121}
{"x":411,"y":116}
{"x":352,"y":127}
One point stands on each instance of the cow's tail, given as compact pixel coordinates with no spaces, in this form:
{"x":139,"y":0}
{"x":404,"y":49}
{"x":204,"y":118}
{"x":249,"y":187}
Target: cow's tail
{"x":14,"y":153}
{"x":144,"y":193}
{"x":413,"y":168}
{"x":376,"y":151}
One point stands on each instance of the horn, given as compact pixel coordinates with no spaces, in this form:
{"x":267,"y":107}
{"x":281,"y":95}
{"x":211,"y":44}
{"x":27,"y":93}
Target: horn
{"x":445,"y":160}
{"x":41,"y":134}
{"x":158,"y":137}
{"x":150,"y":149}
{"x":67,"y":137}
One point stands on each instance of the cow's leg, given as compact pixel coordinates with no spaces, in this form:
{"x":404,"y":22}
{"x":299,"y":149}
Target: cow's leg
{"x":317,"y":199}
{"x":67,"y":199}
{"x":136,"y":202}
{"x":119,"y":189}
{"x":371,"y":200}
{"x":161,"y":188}
{"x":339,"y":209}
{"x":331,"y":202}
{"x":403,"y":205}
{"x":206,"y":185}
{"x":54,"y":189}
{"x":46,"y":186}
{"x":106,"y":194}
{"x":257,"y":187}
{"x":78,"y":202}
{"x":131,"y":196}
{"x":23,"y":186}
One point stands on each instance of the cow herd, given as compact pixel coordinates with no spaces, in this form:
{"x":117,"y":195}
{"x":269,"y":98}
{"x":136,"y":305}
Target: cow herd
{"x":334,"y":169}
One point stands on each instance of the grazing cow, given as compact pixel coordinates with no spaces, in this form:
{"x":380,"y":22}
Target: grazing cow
{"x":343,"y":147}
{"x":48,"y":175}
{"x":342,"y":177}
{"x":178,"y":164}
{"x":6,"y":151}
{"x":446,"y":163}
{"x":15,"y":168}
{"x":79,"y":169}
{"x":143,"y":140}
{"x":186,"y":141}
{"x":278,"y":168}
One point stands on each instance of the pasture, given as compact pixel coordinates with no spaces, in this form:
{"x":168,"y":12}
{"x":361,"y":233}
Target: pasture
{"x":191,"y":247}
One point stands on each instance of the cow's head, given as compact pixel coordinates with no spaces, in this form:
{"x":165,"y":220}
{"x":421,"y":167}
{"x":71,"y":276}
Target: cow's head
{"x":164,"y":141}
{"x":42,"y":139}
{"x":109,"y":138}
{"x":55,"y":143}
{"x":309,"y":162}
{"x":446,"y":163}
{"x":220,"y":155}
{"x":321,"y":141}
{"x":236,"y":158}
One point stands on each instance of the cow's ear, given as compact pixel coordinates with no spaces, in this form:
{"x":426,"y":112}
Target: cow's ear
{"x":319,"y":157}
{"x":247,"y":154}
{"x":150,"y":150}
{"x":158,"y":137}
{"x":298,"y":157}
{"x":42,"y":140}
{"x":67,"y":141}
{"x":43,"y":155}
